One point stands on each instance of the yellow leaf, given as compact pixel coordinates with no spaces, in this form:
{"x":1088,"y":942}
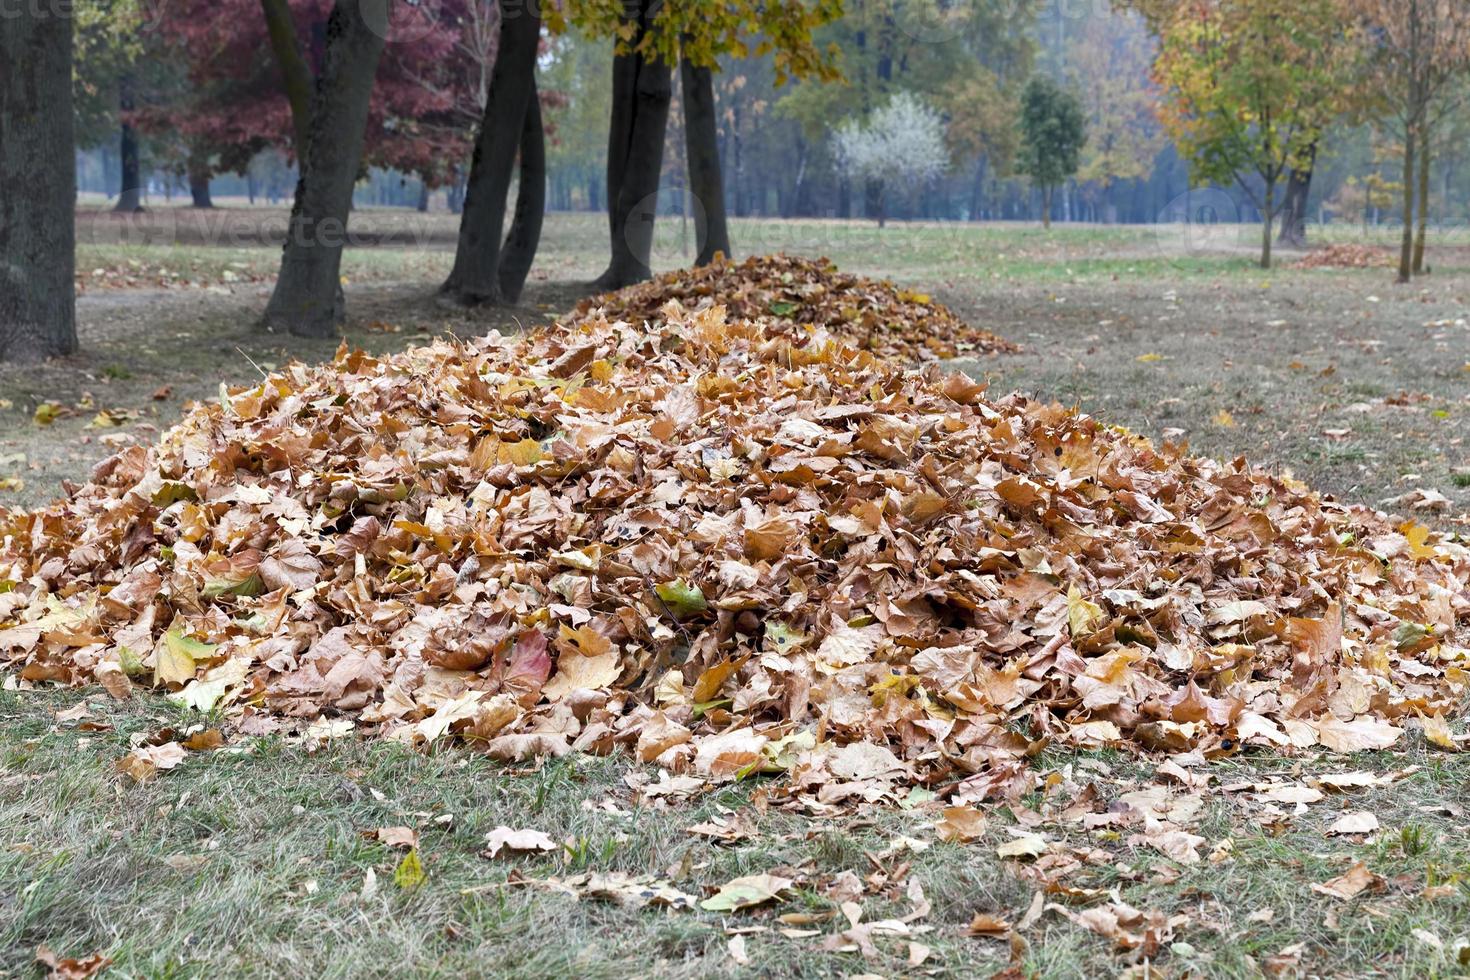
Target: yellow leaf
{"x":1083,"y":617}
{"x":1224,"y":419}
{"x":1437,"y":731}
{"x":176,"y":658}
{"x":1149,"y":358}
{"x":410,"y":872}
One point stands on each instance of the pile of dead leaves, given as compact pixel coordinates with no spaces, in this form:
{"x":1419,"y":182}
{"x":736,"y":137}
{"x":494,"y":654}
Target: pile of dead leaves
{"x":798,"y":297}
{"x":1347,"y":256}
{"x":728,"y":550}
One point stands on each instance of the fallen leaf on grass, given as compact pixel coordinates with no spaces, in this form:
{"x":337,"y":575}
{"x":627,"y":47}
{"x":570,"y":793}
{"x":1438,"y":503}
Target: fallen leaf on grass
{"x":1025,"y":845}
{"x":1349,"y":883}
{"x":68,"y":967}
{"x":741,"y":893}
{"x":146,"y":761}
{"x":516,"y":840}
{"x":1360,"y":822}
{"x":989,"y":926}
{"x":1357,"y":735}
{"x":405,"y":838}
{"x":736,"y":946}
{"x":961,"y":825}
{"x":410,"y":872}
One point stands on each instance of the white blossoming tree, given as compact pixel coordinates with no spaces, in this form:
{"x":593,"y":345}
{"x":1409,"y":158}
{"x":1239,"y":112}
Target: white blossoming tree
{"x":900,"y":143}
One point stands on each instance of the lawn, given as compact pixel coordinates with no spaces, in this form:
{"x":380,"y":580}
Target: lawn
{"x":260,"y":858}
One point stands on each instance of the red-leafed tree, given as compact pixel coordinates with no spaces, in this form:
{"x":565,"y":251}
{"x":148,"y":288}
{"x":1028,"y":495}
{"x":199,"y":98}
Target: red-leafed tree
{"x":427,"y":93}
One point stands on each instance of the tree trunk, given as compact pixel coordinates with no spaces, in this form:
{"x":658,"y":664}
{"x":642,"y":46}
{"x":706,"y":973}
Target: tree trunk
{"x":129,"y":195}
{"x":1294,"y":205}
{"x":701,"y":145}
{"x":198,"y":172}
{"x":308,"y":296}
{"x":1423,"y":205}
{"x":37,"y":227}
{"x":1267,"y":213}
{"x":1406,"y":245}
{"x":635,"y":158}
{"x":475,"y":278}
{"x":1046,"y":207}
{"x":525,"y":227}
{"x":292,"y":65}
{"x":423,"y":203}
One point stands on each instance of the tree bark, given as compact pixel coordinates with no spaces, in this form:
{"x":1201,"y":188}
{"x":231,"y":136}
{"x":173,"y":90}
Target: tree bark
{"x":1423,"y":205}
{"x":129,"y":196}
{"x":702,"y":150}
{"x":38,"y":200}
{"x":1294,"y":205}
{"x":1268,"y":212}
{"x":475,"y":278}
{"x":519,"y":251}
{"x":1046,"y":207}
{"x":642,"y":91}
{"x":308,"y":297}
{"x":198,"y":172}
{"x":1406,"y":245}
{"x":295,"y":75}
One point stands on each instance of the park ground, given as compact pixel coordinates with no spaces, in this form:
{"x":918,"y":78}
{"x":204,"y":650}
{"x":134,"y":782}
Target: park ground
{"x":251,"y":860}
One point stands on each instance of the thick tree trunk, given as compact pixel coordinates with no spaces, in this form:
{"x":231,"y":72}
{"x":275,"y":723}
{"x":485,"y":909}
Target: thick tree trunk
{"x":619,"y":132}
{"x":308,"y":297}
{"x":701,"y":145}
{"x":519,"y":251}
{"x":1406,"y":244}
{"x":129,"y":194}
{"x":1294,"y":205}
{"x":423,"y":204}
{"x":636,"y":131}
{"x":37,"y":194}
{"x":1046,"y":207}
{"x":1423,"y":205}
{"x":475,"y":278}
{"x":294,"y":72}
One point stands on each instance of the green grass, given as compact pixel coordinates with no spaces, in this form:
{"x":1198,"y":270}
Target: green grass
{"x":251,"y":861}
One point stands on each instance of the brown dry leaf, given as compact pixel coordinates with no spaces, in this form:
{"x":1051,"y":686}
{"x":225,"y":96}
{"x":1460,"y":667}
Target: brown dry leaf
{"x":204,"y":740}
{"x":1357,"y":735}
{"x":989,"y":926}
{"x":404,"y":838}
{"x":146,"y":761}
{"x":1349,"y":883}
{"x":68,"y":967}
{"x":961,"y":825}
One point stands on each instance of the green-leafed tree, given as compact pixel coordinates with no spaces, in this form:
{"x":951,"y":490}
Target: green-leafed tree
{"x":1250,"y":86}
{"x":1053,"y":131}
